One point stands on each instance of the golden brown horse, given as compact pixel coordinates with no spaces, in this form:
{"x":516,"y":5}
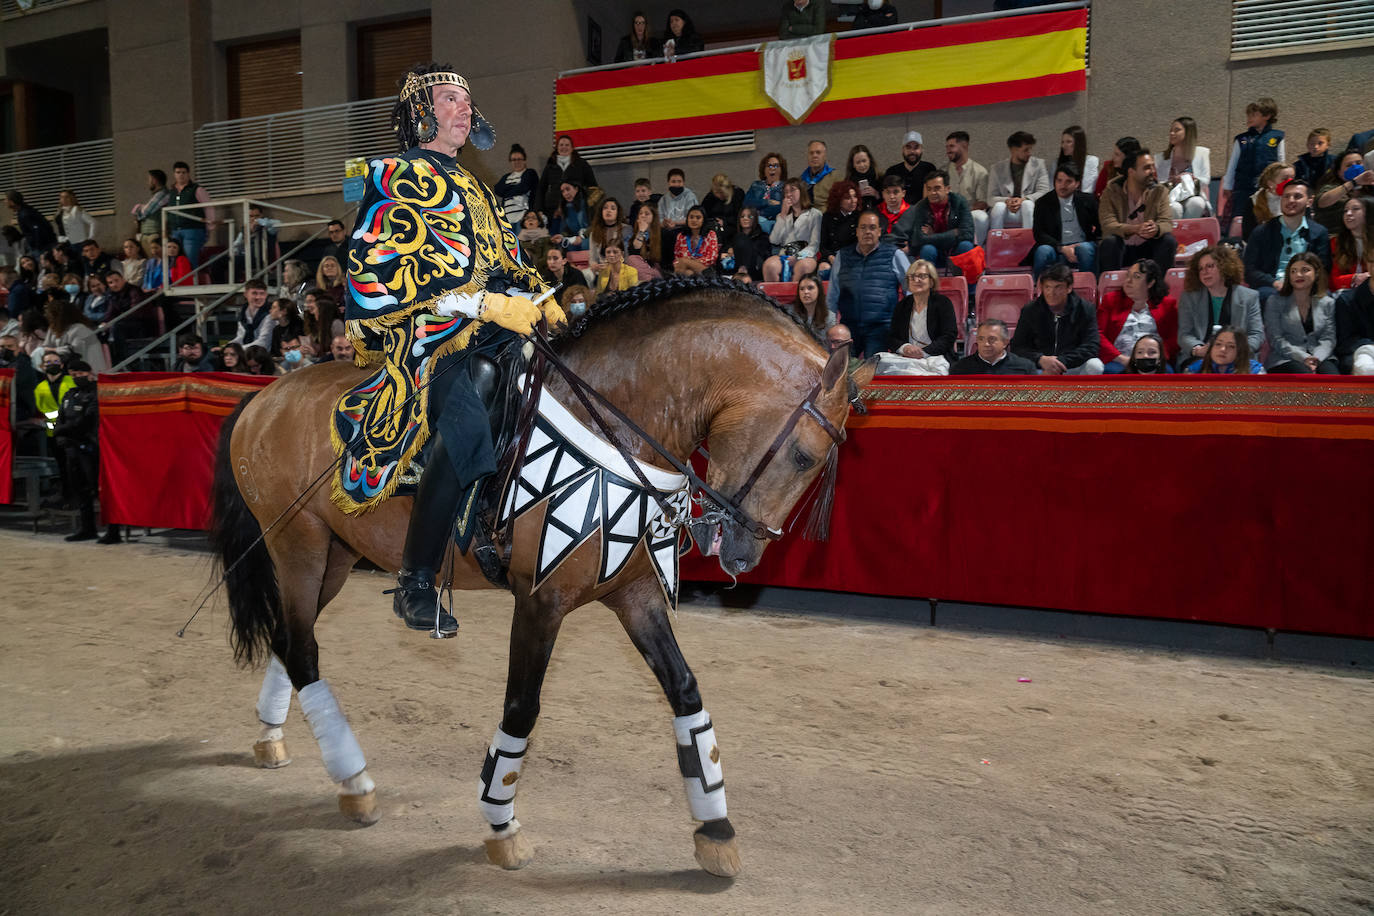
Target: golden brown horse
{"x":687,"y":360}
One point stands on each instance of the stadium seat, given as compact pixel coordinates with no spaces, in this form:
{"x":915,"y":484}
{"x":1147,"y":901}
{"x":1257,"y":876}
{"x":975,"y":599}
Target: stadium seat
{"x":1002,"y":296}
{"x":1108,"y":281}
{"x":1175,"y":280}
{"x":785,"y":293}
{"x":1237,"y":225}
{"x":956,"y":290}
{"x":1007,"y":248}
{"x":1085,"y":284}
{"x":1188,"y":231}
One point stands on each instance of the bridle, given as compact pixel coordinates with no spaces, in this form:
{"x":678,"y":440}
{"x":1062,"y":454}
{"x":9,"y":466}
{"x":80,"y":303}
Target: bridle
{"x":716,"y":508}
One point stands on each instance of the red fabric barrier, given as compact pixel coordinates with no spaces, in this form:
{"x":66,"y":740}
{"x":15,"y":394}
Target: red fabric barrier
{"x":158,"y":432}
{"x":6,"y":438}
{"x":1240,"y":501}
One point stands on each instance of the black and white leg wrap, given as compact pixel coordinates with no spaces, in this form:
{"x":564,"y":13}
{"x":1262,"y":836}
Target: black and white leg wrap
{"x":500,"y":774}
{"x":698,"y":758}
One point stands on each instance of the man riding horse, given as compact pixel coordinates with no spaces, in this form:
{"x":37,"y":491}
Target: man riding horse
{"x":435,"y":273}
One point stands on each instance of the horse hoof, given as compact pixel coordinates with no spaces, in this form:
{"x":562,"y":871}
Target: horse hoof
{"x":718,"y":857}
{"x":510,"y":848}
{"x":271,"y":755}
{"x":360,"y":808}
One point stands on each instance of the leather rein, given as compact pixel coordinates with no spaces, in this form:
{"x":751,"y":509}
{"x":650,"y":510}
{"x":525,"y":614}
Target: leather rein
{"x":716,"y":507}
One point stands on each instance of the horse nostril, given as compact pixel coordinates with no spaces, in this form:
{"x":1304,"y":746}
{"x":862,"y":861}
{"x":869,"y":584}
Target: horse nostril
{"x":739,"y":564}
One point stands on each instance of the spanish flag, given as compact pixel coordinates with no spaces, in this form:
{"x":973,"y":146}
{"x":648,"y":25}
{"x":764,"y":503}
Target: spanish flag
{"x":946,"y":66}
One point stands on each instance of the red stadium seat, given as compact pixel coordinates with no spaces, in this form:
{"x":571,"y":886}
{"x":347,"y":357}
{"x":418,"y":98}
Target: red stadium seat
{"x":1007,"y":248}
{"x":1002,"y":296}
{"x":1188,"y":231}
{"x":1237,"y":225}
{"x":785,"y":293}
{"x":1085,"y":284}
{"x":956,"y":290}
{"x":1108,"y":281}
{"x":1175,"y":280}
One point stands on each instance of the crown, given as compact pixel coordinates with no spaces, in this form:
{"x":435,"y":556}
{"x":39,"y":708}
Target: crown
{"x":415,"y":82}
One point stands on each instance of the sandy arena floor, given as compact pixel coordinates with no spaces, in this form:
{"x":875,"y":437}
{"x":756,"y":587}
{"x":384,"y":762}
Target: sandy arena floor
{"x":870,"y":768}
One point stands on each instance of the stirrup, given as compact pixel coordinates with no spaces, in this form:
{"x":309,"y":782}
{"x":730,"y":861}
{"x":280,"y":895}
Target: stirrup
{"x":416,"y":601}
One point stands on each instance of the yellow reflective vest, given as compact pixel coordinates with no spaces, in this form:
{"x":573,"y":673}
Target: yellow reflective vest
{"x":42,"y":396}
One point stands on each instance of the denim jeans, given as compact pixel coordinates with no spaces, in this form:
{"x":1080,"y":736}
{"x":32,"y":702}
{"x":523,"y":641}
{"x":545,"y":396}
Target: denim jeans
{"x":940,"y":256}
{"x":1045,"y":255}
{"x":192,"y":240}
{"x":869,"y":339}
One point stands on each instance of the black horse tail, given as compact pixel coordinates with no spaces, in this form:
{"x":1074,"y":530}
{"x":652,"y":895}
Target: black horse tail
{"x":249,"y":576}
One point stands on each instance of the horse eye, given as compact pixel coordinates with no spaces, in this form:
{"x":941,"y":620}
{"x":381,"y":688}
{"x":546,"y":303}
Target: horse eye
{"x":803,"y":461}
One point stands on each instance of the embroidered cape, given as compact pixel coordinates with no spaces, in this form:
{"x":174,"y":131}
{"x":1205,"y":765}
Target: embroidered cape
{"x":426,"y":228}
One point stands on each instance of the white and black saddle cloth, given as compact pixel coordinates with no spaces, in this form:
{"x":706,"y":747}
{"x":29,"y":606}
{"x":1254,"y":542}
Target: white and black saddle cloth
{"x":589,"y":488}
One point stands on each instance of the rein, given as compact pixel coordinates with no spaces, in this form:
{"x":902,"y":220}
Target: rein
{"x":716,"y":507}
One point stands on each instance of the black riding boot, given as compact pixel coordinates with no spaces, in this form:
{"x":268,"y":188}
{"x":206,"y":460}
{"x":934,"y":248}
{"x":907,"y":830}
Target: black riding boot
{"x":416,"y":600}
{"x":87,"y":530}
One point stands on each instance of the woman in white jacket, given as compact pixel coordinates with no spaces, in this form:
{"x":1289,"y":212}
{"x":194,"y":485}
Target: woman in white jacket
{"x":798,"y":223}
{"x":74,"y":224}
{"x":1187,"y":169}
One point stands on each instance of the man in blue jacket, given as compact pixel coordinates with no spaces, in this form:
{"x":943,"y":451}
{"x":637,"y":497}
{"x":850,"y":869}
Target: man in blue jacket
{"x":1273,"y":244}
{"x":865,"y":284}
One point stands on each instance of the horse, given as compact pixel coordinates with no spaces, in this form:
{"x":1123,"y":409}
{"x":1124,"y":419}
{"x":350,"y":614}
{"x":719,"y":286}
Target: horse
{"x":687,"y":360}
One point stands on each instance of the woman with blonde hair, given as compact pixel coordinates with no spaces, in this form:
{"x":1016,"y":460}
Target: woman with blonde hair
{"x":924,"y":327}
{"x":1187,"y":169}
{"x":1264,"y":204}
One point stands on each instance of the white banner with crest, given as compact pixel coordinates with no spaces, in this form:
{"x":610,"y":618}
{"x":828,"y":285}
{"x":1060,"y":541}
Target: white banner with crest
{"x":796,"y":74}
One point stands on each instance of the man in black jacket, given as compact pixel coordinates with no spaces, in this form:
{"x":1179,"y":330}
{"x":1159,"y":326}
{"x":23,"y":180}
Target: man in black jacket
{"x":77,"y":435}
{"x":37,"y":231}
{"x":1057,"y":330}
{"x":1273,"y":244}
{"x":937,"y":226}
{"x":1066,"y":225}
{"x":1355,"y":325}
{"x":991,"y":356}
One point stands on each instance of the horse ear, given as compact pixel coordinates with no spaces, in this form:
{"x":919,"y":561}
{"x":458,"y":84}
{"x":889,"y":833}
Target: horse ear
{"x":835,"y":368}
{"x":864,"y":372}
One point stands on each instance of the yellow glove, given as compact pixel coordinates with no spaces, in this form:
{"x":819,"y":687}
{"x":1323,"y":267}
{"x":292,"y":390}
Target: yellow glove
{"x":554,"y":315}
{"x":514,"y":313}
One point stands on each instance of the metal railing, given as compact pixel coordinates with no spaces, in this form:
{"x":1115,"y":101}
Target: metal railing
{"x":87,"y":169}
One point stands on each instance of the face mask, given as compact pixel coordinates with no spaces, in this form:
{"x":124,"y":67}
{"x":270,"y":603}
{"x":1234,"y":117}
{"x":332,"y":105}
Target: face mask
{"x":84,"y":383}
{"x":875,"y":4}
{"x":577,"y":309}
{"x":53,"y":370}
{"x":72,"y":289}
{"x":676,"y":192}
{"x":1147,"y":364}
{"x":292,"y":356}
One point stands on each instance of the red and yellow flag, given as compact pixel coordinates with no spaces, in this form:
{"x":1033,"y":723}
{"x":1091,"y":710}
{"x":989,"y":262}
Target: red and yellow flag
{"x":946,"y":66}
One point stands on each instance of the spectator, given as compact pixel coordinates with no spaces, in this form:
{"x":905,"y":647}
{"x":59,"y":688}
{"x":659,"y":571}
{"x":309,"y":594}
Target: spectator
{"x":615,"y":275}
{"x":1265,"y":203}
{"x":1186,"y":169}
{"x":923,"y":323}
{"x":765,"y":195}
{"x":796,"y":235}
{"x":838,"y":337}
{"x":969,"y":180}
{"x":148,"y":212}
{"x":577,"y":301}
{"x":860,"y":171}
{"x":534,"y":238}
{"x":73,"y":223}
{"x":24,"y":288}
{"x":810,"y":304}
{"x":261,"y":241}
{"x":894,"y":204}
{"x":644,"y":251}
{"x":722,"y":204}
{"x":74,"y":288}
{"x":569,"y":224}
{"x":293,"y":355}
{"x":1227,"y":354}
{"x":607,"y":226}
{"x":1356,"y":236}
{"x":1355,"y":325}
{"x":839,"y":220}
{"x":232,"y":358}
{"x":1260,"y":144}
{"x":697,"y":249}
{"x":1214,"y":298}
{"x":750,"y":246}
{"x":76,"y":434}
{"x":33,"y":330}
{"x":37,"y":231}
{"x":190,"y":227}
{"x":1120,"y":150}
{"x":680,"y":37}
{"x":818,"y":175}
{"x":329,"y":276}
{"x":131,"y":262}
{"x":801,"y":19}
{"x":939,"y":226}
{"x":1347,"y":180}
{"x":1066,"y":225}
{"x":337,"y":248}
{"x":912,"y":169}
{"x":1147,"y":357}
{"x":322,"y":321}
{"x":191,"y":355}
{"x":558,"y":272}
{"x":1057,"y":330}
{"x":286,"y":316}
{"x":259,"y":362}
{"x":1361,"y":142}
{"x":673,"y":207}
{"x":1300,"y":321}
{"x":124,"y":298}
{"x":991,"y":356}
{"x":644,"y":196}
{"x":12,"y":245}
{"x":255,"y":321}
{"x":152,"y":268}
{"x":179,"y":266}
{"x":638,"y":44}
{"x":874,"y":14}
{"x":72,"y":335}
{"x":563,"y":165}
{"x":1142,"y":306}
{"x":864,"y":283}
{"x":94,"y":262}
{"x":517,"y":188}
{"x":341,"y":349}
{"x":1273,"y":244}
{"x":1015,"y":183}
{"x":1073,"y":147}
{"x":1135,"y":217}
{"x":1318,"y":159}
{"x":96,"y":306}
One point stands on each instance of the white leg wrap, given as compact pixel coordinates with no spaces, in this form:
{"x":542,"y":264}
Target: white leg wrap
{"x":500,"y":774}
{"x":274,"y":700}
{"x":339,"y":748}
{"x":698,"y":759}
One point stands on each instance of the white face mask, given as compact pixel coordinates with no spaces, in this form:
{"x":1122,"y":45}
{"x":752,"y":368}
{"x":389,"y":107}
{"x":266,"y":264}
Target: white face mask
{"x":875,"y":4}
